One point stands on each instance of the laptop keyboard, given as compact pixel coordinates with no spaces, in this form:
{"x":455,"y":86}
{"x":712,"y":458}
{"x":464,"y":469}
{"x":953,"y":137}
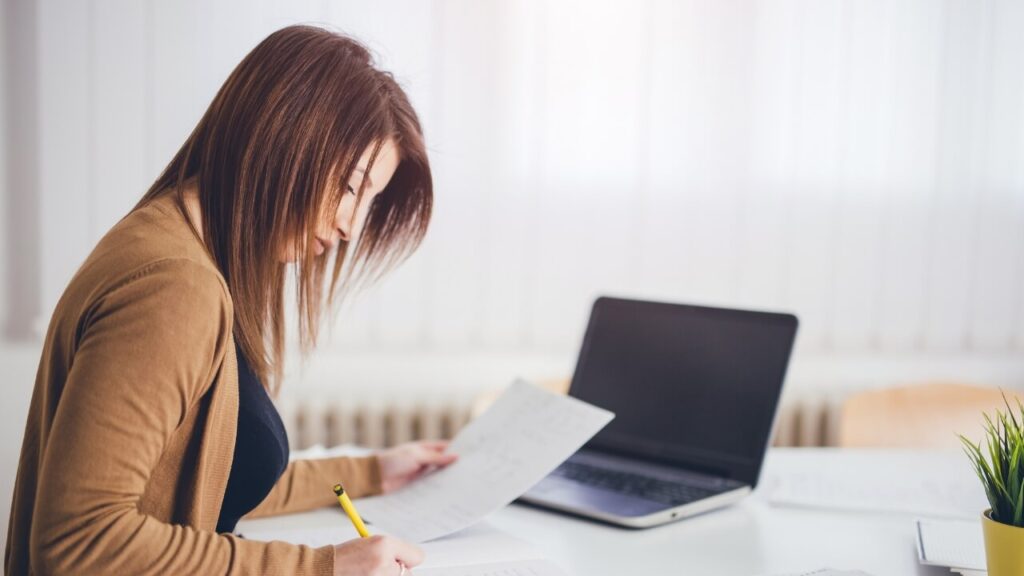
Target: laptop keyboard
{"x":671,"y":493}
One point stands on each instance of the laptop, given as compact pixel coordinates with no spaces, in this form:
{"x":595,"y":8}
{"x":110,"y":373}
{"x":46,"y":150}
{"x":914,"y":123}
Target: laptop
{"x":694,"y":391}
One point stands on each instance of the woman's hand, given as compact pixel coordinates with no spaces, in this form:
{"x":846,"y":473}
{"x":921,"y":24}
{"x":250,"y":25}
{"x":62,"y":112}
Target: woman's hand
{"x":375,"y":556}
{"x":407,"y":462}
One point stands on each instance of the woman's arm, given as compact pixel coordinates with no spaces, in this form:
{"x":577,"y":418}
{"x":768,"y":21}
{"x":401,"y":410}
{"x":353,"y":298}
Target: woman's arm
{"x":143,"y":360}
{"x":307,"y":484}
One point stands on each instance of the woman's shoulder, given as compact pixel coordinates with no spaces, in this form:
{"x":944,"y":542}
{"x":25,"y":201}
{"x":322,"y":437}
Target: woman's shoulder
{"x":152,"y":242}
{"x":156,"y":231}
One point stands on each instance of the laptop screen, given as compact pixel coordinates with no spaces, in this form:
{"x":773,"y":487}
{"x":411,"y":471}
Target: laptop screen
{"x":689,"y":385}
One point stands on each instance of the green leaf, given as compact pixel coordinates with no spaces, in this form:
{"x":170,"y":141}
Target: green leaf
{"x":1018,"y":510}
{"x":998,"y":461}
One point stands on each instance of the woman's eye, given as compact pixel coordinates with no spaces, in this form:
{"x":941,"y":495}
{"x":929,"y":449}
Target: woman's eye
{"x":350,"y":189}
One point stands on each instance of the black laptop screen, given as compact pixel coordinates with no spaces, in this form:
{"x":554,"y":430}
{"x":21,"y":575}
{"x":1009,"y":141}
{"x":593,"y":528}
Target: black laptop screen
{"x":689,"y":385}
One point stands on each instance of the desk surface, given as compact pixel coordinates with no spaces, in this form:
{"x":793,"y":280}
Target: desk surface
{"x":747,"y":539}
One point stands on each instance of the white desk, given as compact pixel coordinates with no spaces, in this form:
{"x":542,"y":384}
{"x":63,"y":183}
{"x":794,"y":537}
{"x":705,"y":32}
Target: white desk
{"x":747,"y":539}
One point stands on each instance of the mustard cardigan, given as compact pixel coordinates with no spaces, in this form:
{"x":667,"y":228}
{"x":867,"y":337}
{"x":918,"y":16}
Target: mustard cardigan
{"x":131,"y":429}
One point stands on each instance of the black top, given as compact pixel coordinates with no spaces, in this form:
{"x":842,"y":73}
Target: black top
{"x":261,"y":449}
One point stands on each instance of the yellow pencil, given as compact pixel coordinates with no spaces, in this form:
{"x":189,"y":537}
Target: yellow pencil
{"x":350,"y":511}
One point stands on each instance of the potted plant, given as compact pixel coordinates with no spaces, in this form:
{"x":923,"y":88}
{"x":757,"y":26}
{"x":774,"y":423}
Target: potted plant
{"x":999,"y":463}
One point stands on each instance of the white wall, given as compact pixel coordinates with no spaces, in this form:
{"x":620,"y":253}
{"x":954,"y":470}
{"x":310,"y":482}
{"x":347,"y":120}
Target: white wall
{"x":3,"y":168}
{"x":858,"y":162}
{"x":8,"y":450}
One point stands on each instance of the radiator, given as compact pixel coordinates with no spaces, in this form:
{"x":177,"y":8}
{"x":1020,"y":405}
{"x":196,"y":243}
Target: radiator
{"x":808,"y":419}
{"x":804,"y":419}
{"x":377,"y":424}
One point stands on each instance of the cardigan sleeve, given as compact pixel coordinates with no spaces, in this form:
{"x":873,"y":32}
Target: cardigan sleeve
{"x":146,"y":352}
{"x":307,"y":484}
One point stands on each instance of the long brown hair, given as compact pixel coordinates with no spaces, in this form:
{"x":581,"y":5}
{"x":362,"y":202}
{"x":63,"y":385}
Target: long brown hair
{"x":276,"y":149}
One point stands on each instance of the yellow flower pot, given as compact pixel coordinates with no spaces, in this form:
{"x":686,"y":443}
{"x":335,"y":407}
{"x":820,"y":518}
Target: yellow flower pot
{"x":1004,"y":547}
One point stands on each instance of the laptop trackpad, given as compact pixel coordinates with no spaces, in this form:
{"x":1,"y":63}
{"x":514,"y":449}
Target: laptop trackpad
{"x":563,"y":493}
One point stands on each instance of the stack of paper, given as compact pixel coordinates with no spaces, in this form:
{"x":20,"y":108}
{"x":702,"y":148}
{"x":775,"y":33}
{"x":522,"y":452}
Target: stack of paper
{"x":955,"y":544}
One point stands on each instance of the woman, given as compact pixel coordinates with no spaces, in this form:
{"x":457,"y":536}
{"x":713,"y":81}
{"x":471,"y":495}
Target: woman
{"x":151,"y":431}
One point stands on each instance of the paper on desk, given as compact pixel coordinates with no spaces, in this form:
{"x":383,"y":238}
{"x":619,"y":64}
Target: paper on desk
{"x":520,"y":439}
{"x":481,"y":549}
{"x":520,"y":568}
{"x":917,"y":482}
{"x":480,"y":544}
{"x":955,"y":544}
{"x":827,"y":572}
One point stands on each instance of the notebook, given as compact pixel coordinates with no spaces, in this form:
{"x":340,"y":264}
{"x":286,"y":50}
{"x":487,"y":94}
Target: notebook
{"x":956,"y":544}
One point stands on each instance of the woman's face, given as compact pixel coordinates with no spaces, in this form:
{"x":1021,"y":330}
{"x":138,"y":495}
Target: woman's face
{"x":347,"y":221}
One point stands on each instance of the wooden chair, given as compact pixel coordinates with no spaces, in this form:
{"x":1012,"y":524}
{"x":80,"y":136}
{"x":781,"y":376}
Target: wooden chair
{"x":921,"y":416}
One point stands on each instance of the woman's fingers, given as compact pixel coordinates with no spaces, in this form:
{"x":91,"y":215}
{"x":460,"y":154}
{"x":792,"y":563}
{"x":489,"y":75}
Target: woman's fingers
{"x":430,"y":458}
{"x":425,"y":461}
{"x":435,"y":445}
{"x":434,"y":452}
{"x":376,"y":555}
{"x":406,"y":462}
{"x":407,"y":553}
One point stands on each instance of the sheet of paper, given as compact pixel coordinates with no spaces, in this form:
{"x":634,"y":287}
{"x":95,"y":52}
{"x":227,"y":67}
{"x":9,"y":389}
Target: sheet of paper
{"x":518,"y":568}
{"x":827,"y":572}
{"x":951,"y":543}
{"x":520,"y":439}
{"x":479,"y":544}
{"x":917,"y":482}
{"x":481,"y":549}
